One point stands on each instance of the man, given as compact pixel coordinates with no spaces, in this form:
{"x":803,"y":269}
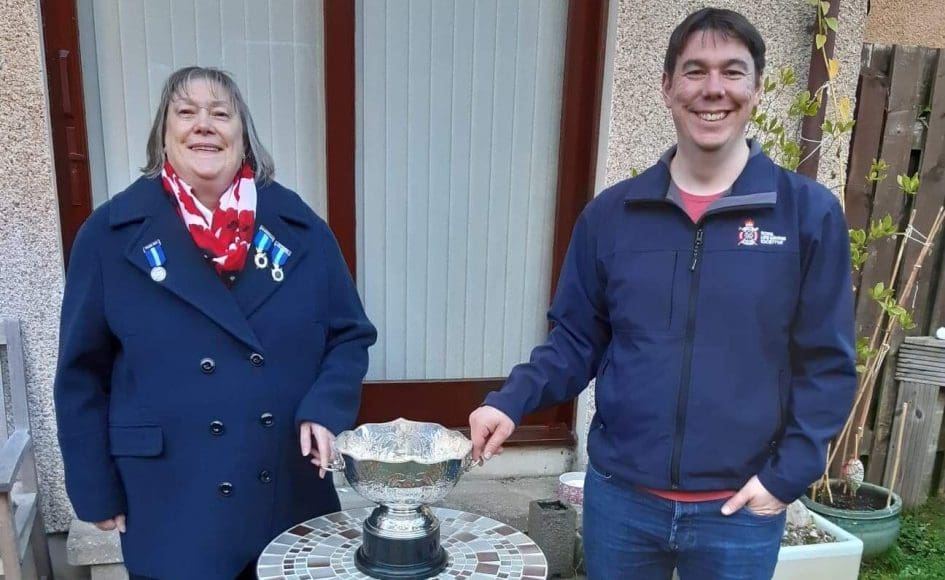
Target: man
{"x":710,"y":296}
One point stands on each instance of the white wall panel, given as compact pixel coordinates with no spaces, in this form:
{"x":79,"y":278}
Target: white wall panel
{"x":543,"y":153}
{"x":457,"y":266}
{"x":436,"y":331}
{"x":183,"y":32}
{"x":457,"y":118}
{"x":112,"y":112}
{"x":273,"y":48}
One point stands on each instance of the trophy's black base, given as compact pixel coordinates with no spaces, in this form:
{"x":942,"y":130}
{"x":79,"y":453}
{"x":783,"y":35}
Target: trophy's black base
{"x":401,"y":559}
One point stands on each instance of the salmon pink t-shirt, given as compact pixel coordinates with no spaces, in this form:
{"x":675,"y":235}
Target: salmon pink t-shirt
{"x":697,"y":204}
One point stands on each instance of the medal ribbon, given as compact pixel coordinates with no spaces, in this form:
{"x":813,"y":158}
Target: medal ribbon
{"x":155,"y":254}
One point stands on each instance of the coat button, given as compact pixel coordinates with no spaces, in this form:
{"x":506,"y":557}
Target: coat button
{"x":216,"y":428}
{"x":225,"y":489}
{"x":257,"y":359}
{"x":266,"y":419}
{"x":207,"y":365}
{"x":265,"y":476}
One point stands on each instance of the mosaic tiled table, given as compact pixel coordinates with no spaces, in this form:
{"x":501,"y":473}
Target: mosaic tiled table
{"x":479,"y":548}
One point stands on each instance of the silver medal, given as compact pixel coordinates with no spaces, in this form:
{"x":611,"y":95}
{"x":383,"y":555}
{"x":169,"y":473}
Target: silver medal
{"x":262,"y":260}
{"x":277,"y":274}
{"x":158,"y":273}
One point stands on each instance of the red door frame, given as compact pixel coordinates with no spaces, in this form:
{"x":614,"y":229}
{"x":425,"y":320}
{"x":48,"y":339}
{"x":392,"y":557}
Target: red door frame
{"x":67,"y":117}
{"x":450,"y":402}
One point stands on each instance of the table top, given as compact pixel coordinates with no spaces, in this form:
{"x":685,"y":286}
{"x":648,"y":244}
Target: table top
{"x":479,"y":548}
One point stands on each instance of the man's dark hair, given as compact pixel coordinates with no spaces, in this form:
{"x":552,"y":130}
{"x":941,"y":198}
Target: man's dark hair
{"x":728,"y":24}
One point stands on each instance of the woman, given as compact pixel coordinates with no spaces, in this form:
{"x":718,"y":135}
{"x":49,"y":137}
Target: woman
{"x":212,"y":341}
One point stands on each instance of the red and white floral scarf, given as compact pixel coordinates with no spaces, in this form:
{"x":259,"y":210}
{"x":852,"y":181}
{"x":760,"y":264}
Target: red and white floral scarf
{"x":226,"y":233}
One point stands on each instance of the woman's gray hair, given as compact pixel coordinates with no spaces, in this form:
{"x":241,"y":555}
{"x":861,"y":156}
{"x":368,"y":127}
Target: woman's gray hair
{"x":176,"y":85}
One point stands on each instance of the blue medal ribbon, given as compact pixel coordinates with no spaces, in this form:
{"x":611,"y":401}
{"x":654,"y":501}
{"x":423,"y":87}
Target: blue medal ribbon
{"x":280,"y":254}
{"x":156,"y":259}
{"x":155,"y":254}
{"x":263,"y":240}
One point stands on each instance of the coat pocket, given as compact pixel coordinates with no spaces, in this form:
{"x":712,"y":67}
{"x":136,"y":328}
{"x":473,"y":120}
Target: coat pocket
{"x":640,"y":290}
{"x":136,"y":441}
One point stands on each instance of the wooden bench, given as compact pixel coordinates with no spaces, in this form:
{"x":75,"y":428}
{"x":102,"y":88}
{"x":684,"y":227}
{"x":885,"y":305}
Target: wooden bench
{"x":21,"y":524}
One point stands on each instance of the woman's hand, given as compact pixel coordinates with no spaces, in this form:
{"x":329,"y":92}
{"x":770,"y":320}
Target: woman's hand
{"x":110,"y":524}
{"x":321,"y":452}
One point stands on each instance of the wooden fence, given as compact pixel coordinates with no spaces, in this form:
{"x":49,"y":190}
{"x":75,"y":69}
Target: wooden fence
{"x":900,"y":119}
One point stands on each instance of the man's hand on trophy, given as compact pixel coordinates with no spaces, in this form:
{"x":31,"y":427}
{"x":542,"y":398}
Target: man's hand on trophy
{"x":321,"y":451}
{"x":489,"y":428}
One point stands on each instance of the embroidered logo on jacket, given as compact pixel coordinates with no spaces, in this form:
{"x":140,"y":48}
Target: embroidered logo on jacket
{"x":750,"y":235}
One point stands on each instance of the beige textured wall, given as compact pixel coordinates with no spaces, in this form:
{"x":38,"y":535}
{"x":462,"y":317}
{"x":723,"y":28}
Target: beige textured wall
{"x":641,"y":127}
{"x":909,"y":22}
{"x":31,"y":274}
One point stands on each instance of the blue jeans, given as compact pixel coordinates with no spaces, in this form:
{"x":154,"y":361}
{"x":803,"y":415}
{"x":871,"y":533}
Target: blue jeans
{"x":632,"y":534}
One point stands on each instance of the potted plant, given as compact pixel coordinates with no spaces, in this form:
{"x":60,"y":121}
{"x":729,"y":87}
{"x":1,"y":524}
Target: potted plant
{"x":865,"y":510}
{"x":864,"y":514}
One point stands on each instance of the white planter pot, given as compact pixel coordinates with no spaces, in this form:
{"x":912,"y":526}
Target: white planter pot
{"x":838,"y":560}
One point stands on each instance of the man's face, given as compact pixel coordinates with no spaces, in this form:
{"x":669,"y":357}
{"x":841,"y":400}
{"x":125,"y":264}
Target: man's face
{"x":712,"y":91}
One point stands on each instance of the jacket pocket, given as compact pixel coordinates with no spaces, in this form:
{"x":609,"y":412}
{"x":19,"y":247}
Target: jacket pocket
{"x":640,"y":289}
{"x":137,"y":441}
{"x":784,"y":378}
{"x":782,"y":395}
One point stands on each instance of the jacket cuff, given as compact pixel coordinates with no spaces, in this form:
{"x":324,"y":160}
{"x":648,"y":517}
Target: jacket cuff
{"x":785,"y":491}
{"x":505,"y":403}
{"x":97,"y":496}
{"x":92,"y":479}
{"x":304,"y":415}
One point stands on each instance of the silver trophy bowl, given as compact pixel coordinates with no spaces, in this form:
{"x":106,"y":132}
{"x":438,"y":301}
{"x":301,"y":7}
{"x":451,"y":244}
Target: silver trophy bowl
{"x":403,"y":466}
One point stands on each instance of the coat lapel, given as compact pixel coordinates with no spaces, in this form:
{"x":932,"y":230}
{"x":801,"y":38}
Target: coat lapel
{"x":189,"y":276}
{"x":256,"y":285}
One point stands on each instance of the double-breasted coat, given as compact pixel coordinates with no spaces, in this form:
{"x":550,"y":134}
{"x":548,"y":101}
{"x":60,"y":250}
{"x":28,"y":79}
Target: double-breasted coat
{"x":178,"y":401}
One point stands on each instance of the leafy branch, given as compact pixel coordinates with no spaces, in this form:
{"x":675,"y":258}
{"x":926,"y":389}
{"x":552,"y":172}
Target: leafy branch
{"x":773,"y":131}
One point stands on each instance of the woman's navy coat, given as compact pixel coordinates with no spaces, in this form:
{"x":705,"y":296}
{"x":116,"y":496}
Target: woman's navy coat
{"x":178,"y":402}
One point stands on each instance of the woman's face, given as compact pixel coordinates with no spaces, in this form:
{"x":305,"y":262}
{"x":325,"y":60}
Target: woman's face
{"x":203,"y":138}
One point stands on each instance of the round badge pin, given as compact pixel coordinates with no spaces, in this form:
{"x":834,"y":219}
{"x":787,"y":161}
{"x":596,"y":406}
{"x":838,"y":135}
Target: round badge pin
{"x":158,"y":273}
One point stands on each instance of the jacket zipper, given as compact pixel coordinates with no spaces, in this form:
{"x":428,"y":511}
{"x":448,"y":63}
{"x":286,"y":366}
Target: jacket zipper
{"x":686,"y":377}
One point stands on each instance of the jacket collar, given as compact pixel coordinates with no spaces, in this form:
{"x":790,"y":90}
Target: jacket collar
{"x":146,"y":196}
{"x":189,"y":276}
{"x":756,"y":186}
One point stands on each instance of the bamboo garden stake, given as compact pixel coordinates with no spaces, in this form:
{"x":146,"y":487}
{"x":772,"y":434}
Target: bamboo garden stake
{"x":895,"y":469}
